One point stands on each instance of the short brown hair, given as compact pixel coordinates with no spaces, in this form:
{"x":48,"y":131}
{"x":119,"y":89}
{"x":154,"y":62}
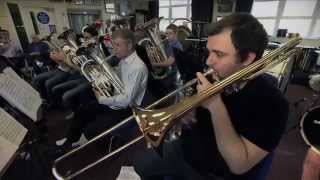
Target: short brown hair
{"x":124,"y":34}
{"x":248,"y":34}
{"x":173,"y":27}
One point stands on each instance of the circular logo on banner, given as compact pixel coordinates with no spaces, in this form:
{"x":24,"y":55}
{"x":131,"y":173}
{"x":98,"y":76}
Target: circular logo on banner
{"x":43,"y":18}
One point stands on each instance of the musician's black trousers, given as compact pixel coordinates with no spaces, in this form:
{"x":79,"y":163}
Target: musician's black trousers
{"x":85,"y":120}
{"x":150,"y":165}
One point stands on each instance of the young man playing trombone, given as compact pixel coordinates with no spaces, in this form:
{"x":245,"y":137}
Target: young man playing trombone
{"x":233,"y":133}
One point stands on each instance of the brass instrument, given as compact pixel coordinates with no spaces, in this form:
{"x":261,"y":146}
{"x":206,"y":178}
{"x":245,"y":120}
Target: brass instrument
{"x":53,"y":42}
{"x":154,"y":124}
{"x":75,"y":55}
{"x":100,"y":75}
{"x":155,"y":49}
{"x":69,"y":47}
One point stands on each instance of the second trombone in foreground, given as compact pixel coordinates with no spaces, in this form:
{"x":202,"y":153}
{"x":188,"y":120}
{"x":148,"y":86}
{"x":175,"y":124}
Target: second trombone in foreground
{"x":154,"y":124}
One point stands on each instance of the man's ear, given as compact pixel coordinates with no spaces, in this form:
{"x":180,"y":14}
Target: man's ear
{"x":250,"y":58}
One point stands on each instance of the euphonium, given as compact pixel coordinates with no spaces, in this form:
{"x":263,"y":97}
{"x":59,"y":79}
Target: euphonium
{"x":69,"y":47}
{"x":75,"y":56}
{"x":155,"y":49}
{"x":87,"y":59}
{"x":102,"y":77}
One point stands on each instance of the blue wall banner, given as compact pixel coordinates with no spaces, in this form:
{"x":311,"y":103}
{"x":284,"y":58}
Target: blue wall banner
{"x":43,"y":17}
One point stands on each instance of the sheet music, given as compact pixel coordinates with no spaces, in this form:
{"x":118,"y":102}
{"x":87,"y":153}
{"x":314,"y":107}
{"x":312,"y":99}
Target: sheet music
{"x":10,"y":129}
{"x":10,"y":72}
{"x":7,"y":151}
{"x":11,"y":136}
{"x":128,"y":173}
{"x":20,"y":95}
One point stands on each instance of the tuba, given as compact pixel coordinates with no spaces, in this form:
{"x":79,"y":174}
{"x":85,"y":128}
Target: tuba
{"x":154,"y":48}
{"x":155,"y":123}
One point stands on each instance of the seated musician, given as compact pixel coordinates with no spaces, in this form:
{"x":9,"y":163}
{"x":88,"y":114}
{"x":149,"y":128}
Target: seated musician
{"x":232,"y":133}
{"x":77,"y":87}
{"x":142,"y":42}
{"x":133,"y":74}
{"x":169,"y":82}
{"x":38,"y":54}
{"x":44,"y":82}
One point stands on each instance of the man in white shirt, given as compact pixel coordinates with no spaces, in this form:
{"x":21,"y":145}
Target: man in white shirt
{"x":133,"y":74}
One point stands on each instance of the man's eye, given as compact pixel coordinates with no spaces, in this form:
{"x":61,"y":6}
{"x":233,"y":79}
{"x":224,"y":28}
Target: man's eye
{"x":219,"y":54}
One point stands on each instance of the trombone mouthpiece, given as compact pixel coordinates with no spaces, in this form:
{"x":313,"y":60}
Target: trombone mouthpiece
{"x":213,"y":78}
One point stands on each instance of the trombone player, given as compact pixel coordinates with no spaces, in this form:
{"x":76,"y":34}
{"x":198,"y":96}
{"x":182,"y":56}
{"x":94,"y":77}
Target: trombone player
{"x":233,"y":134}
{"x":133,"y":74}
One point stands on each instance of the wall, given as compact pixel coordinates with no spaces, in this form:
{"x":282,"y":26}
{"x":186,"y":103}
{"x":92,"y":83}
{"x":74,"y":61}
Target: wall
{"x":57,"y":11}
{"x":6,"y":20}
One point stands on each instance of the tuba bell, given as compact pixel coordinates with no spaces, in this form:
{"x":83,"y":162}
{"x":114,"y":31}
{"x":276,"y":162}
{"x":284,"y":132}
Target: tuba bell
{"x":155,"y":47}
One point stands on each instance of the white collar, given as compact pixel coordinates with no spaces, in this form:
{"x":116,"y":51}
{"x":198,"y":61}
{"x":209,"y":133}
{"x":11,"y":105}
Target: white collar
{"x":130,"y":58}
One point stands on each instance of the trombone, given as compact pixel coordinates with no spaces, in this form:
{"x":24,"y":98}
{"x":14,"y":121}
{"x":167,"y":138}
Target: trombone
{"x":154,"y":124}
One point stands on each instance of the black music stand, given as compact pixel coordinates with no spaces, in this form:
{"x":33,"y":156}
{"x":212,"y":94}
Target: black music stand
{"x":35,"y":137}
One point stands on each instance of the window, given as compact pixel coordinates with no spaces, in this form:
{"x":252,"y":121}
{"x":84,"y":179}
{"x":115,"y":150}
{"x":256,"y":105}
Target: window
{"x":110,"y":8}
{"x":300,"y":26}
{"x":299,"y":8}
{"x":265,"y":8}
{"x":178,"y":12}
{"x":297,"y":16}
{"x":179,"y":2}
{"x":163,"y":3}
{"x":172,"y":9}
{"x":164,"y":12}
{"x":268,"y":24}
{"x":316,"y":30}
